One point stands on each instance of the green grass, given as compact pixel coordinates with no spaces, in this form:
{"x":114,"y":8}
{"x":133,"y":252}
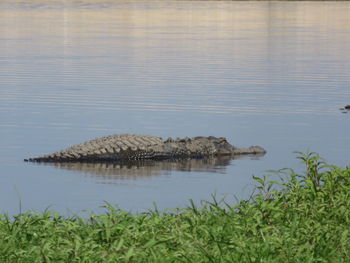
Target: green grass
{"x":298,"y":218}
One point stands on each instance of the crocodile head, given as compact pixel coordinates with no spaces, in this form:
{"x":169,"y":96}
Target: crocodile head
{"x":223,"y":147}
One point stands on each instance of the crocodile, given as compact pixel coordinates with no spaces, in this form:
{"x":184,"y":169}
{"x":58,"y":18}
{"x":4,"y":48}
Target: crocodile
{"x":121,"y":147}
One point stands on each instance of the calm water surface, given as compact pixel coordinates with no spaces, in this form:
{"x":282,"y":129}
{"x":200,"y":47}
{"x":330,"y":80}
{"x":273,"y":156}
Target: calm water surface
{"x":267,"y":73}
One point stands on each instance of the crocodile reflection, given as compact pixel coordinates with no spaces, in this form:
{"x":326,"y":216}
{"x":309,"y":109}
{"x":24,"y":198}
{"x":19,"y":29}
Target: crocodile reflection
{"x":141,"y":169}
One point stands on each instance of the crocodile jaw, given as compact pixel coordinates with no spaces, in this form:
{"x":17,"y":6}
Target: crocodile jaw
{"x":250,"y":150}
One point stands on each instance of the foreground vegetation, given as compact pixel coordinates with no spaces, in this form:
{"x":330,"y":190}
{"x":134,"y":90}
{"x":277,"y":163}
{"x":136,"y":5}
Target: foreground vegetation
{"x":300,"y":218}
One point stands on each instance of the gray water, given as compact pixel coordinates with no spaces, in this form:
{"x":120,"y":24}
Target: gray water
{"x":259,"y":73}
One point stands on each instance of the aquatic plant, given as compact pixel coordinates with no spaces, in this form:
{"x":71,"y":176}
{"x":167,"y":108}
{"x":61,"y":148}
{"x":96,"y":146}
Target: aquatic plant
{"x":297,"y":218}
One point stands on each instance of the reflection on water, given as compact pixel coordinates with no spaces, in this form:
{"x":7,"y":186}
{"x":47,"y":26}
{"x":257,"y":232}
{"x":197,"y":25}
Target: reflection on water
{"x":141,"y":169}
{"x":223,"y":58}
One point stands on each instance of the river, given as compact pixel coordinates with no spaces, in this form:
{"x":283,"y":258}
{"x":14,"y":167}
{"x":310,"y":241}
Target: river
{"x":259,"y":73}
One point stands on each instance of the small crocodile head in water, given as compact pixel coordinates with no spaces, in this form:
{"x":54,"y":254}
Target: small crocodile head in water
{"x":223,"y":147}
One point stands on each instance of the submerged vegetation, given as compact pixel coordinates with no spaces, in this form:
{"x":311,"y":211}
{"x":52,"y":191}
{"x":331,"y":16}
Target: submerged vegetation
{"x":297,"y":218}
